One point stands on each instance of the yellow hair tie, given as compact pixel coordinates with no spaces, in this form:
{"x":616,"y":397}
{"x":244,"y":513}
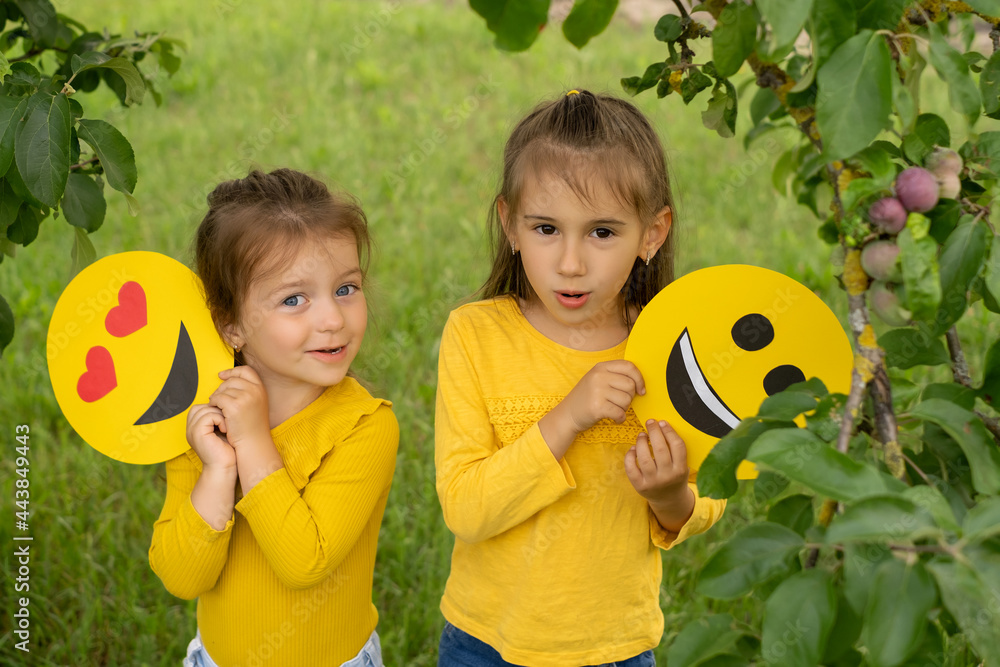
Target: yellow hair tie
{"x":573,"y":92}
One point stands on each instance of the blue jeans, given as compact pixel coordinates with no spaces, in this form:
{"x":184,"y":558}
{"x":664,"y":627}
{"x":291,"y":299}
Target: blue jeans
{"x":460,"y":649}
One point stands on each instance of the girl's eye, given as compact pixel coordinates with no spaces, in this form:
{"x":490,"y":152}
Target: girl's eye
{"x":293,"y":301}
{"x":603,"y":233}
{"x":346,"y":290}
{"x":546,"y":229}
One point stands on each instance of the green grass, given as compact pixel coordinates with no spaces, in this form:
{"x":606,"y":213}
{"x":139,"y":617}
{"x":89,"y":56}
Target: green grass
{"x":271,"y":84}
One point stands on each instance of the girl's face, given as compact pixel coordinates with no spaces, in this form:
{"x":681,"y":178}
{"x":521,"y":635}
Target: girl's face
{"x":577,"y":256}
{"x":302,"y":326}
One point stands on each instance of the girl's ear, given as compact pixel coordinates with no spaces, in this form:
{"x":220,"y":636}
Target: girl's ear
{"x":232,"y":335}
{"x":656,"y":233}
{"x":503,"y":211}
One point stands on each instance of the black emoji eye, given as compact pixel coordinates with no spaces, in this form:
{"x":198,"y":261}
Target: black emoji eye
{"x":782,"y":377}
{"x":753,"y":332}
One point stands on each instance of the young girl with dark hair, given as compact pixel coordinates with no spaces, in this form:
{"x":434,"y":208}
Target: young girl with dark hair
{"x":271,"y":519}
{"x":559,"y":501}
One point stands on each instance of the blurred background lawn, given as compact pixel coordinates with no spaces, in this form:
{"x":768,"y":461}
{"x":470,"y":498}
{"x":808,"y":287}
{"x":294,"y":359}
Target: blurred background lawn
{"x":406,"y":105}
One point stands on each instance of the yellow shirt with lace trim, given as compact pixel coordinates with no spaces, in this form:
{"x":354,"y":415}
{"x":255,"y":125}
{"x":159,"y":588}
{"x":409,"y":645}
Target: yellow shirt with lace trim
{"x":288,"y":582}
{"x":556,"y":563}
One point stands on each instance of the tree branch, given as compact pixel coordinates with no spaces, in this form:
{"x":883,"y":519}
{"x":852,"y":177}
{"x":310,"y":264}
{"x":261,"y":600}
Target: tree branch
{"x":992,"y":424}
{"x":81,"y":165}
{"x":680,"y":8}
{"x":959,"y":367}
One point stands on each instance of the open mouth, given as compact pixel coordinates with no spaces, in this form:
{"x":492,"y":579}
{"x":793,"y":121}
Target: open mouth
{"x":692,"y":396}
{"x":181,"y":386}
{"x":572,"y":299}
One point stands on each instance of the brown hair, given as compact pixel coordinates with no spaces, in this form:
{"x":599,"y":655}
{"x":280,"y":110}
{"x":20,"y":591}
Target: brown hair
{"x":600,"y":135}
{"x":255,"y":225}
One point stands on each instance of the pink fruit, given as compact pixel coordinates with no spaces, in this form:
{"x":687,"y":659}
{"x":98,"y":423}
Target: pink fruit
{"x":943,"y":161}
{"x":880,"y":260}
{"x":949,"y":186}
{"x":917,"y":189}
{"x":886,"y":305}
{"x":888,"y":213}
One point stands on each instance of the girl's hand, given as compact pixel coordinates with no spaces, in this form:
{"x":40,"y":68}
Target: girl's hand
{"x":213,"y":450}
{"x":605,"y":391}
{"x":661,"y":476}
{"x":242,"y":400}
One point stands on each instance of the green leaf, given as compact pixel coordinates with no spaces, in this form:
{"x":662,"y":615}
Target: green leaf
{"x":11,"y":111}
{"x":587,"y":19}
{"x":516,"y":23}
{"x":721,"y":112}
{"x":908,"y":347}
{"x":831,"y":23}
{"x":964,"y":397}
{"x":6,"y":324}
{"x":991,"y":277}
{"x":734,"y":37}
{"x":41,"y":148}
{"x":693,"y":83}
{"x":795,"y":512}
{"x":802,"y":457}
{"x":971,"y":435}
{"x":717,"y":474}
{"x":703,"y":639}
{"x":968,"y":599}
{"x":83,"y":204}
{"x":787,"y":405}
{"x":24,"y":229}
{"x":896,"y":617}
{"x":4,"y":66}
{"x":982,"y":521}
{"x":798,"y":618}
{"x":988,"y":7}
{"x":668,"y":28}
{"x":960,"y":262}
{"x":764,"y":103}
{"x":930,"y":131}
{"x":859,"y":190}
{"x":879,"y":14}
{"x":990,"y":390}
{"x":135,"y":87}
{"x":634,"y":85}
{"x":934,"y":502}
{"x":989,"y":85}
{"x":861,"y":563}
{"x":963,"y":95}
{"x":855,"y":95}
{"x":920,"y":274}
{"x":880,"y":517}
{"x":114,"y":152}
{"x":877,"y":161}
{"x":750,"y":557}
{"x":906,"y":106}
{"x":10,"y":203}
{"x":43,"y":21}
{"x":83,"y":253}
{"x":767,"y":485}
{"x":786,"y":17}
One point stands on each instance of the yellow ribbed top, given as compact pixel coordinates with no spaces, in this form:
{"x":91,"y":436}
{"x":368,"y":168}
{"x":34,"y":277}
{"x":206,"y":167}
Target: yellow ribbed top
{"x":556,"y":563}
{"x":288,"y":582}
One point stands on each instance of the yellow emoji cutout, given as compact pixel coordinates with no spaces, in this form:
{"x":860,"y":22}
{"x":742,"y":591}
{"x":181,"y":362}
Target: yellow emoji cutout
{"x":715,"y":343}
{"x":131,"y":346}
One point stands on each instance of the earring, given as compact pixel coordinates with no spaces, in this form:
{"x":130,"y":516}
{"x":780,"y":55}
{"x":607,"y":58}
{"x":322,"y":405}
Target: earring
{"x":236,"y":349}
{"x":513,"y":248}
{"x":648,"y":257}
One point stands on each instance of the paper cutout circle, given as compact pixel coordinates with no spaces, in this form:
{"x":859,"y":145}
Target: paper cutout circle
{"x":713,"y":344}
{"x":131,"y":346}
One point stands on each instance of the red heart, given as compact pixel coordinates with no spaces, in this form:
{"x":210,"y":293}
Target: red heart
{"x":100,"y":376}
{"x":130,"y":315}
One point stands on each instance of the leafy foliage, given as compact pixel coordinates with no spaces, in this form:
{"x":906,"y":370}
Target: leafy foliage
{"x":46,"y":171}
{"x":881,"y":540}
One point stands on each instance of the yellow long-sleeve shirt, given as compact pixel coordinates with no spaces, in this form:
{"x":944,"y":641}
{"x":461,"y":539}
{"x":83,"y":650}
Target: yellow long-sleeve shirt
{"x":556,"y":563}
{"x":288,"y":582}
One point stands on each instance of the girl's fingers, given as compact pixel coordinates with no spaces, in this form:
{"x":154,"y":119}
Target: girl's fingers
{"x":657,"y":440}
{"x":629,"y":370}
{"x":242,"y":372}
{"x":643,"y":456}
{"x":678,"y":450}
{"x":632,"y":468}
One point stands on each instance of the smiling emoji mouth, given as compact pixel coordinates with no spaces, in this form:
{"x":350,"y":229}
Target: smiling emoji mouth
{"x":181,"y":386}
{"x":692,"y":396}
